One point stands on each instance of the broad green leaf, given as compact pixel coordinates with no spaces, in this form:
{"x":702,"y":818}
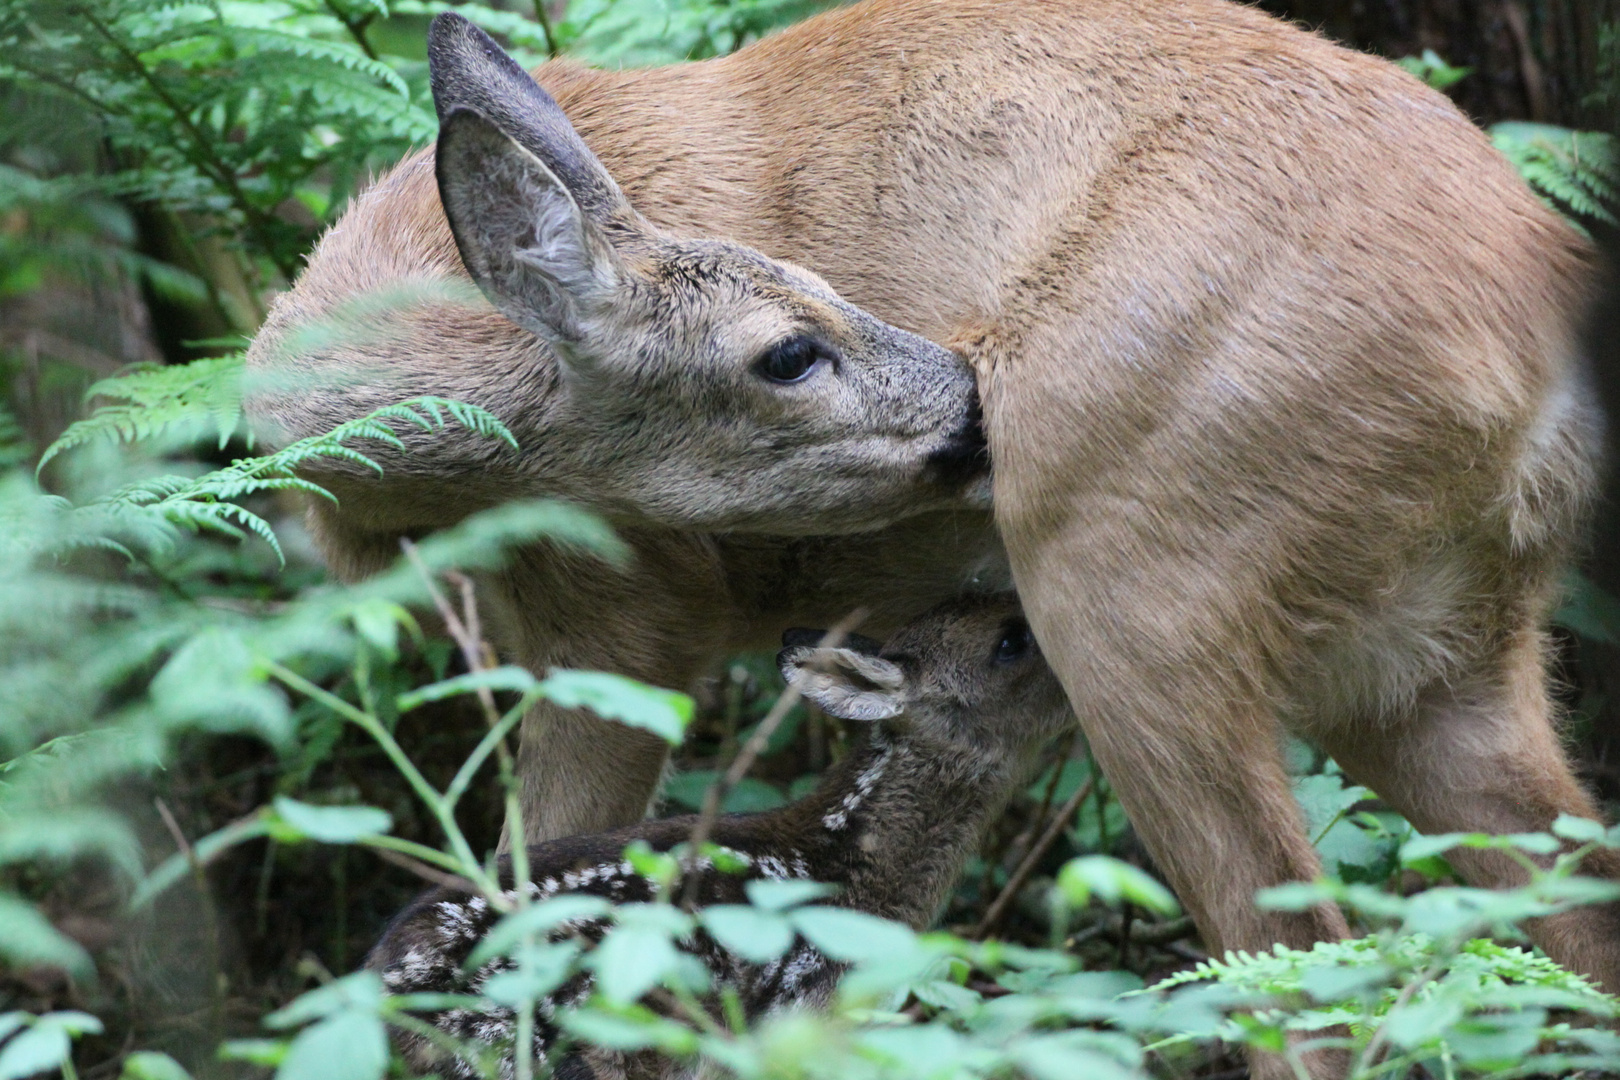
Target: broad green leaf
{"x":151,"y":1065}
{"x":28,"y":939}
{"x":68,"y":832}
{"x":632,"y":1028}
{"x":541,"y":968}
{"x":480,"y":542}
{"x":770,"y":895}
{"x":37,"y":1049}
{"x":537,"y":919}
{"x":378,"y":622}
{"x":360,"y":992}
{"x":1422,"y":847}
{"x":348,"y":1045}
{"x":1580,"y":830}
{"x":760,"y":936}
{"x":1112,"y":881}
{"x":848,"y":935}
{"x":663,"y":712}
{"x":630,"y":961}
{"x":329,"y":824}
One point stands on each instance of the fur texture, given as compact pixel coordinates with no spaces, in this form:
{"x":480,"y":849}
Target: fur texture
{"x":1277,"y":362}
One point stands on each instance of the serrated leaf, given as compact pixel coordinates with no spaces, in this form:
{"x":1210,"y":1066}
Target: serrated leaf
{"x":349,"y":1045}
{"x":663,"y":712}
{"x":852,"y":936}
{"x":759,"y":936}
{"x":329,"y":824}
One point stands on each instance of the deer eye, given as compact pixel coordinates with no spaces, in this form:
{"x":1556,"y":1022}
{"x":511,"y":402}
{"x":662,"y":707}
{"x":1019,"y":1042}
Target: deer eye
{"x":792,"y":359}
{"x":1016,"y":642}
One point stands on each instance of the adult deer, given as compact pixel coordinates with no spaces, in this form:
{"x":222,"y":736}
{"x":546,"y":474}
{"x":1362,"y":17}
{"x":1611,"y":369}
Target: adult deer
{"x":1277,"y":361}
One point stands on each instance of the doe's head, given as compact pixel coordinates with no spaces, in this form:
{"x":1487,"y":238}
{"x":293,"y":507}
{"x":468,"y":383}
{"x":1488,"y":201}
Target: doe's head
{"x":728,"y":389}
{"x":967,"y":674}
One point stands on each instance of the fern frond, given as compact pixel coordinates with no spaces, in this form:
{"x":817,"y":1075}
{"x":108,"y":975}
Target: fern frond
{"x":206,"y":503}
{"x":155,"y":400}
{"x":308,"y":48}
{"x":1575,"y":172}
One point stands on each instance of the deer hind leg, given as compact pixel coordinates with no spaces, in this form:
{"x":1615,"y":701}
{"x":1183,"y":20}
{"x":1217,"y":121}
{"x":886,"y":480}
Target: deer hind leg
{"x":1481,"y":754}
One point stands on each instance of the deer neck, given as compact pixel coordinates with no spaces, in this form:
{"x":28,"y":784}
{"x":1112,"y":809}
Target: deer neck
{"x":895,"y":822}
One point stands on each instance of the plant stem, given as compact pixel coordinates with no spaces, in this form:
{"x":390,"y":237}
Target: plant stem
{"x":544,"y":19}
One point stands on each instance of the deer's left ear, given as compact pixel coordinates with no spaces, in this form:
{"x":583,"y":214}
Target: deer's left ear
{"x":844,"y":683}
{"x":531,"y":208}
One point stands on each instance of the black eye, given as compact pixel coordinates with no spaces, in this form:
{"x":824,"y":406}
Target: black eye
{"x":1016,"y":642}
{"x":790,"y":360}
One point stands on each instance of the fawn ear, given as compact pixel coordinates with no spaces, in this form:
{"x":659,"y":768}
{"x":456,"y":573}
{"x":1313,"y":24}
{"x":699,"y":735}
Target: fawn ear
{"x":530,"y":206}
{"x":845,"y":683}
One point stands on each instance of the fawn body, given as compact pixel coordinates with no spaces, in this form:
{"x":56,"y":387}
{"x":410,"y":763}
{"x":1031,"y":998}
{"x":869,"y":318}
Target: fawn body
{"x":1277,"y":359}
{"x":960,"y":703}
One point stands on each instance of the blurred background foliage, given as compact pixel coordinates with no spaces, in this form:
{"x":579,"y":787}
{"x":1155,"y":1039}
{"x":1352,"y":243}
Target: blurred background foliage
{"x":165,"y":165}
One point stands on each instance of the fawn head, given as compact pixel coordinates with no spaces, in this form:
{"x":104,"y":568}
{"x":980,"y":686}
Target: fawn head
{"x":730,"y":389}
{"x":967,"y":674}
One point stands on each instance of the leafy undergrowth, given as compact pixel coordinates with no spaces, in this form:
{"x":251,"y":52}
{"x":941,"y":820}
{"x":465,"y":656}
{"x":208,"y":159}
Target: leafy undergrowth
{"x":221,"y":774}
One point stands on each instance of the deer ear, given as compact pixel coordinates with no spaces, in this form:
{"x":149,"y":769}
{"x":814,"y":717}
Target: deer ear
{"x":844,"y":683}
{"x":523,"y":236}
{"x":530,"y":206}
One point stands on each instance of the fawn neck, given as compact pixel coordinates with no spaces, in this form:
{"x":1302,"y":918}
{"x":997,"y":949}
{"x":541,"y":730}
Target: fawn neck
{"x":896,"y":820}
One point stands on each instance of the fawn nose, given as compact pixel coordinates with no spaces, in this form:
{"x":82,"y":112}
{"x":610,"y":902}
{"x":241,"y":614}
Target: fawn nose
{"x":798,"y":635}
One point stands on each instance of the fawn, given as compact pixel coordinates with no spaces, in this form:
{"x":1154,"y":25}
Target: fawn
{"x":1277,"y":360}
{"x":960,"y":704}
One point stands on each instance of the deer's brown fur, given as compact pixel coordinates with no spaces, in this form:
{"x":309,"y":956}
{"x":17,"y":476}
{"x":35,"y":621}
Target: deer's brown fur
{"x":1277,"y":360}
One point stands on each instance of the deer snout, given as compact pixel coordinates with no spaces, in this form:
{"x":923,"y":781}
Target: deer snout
{"x":965,"y":455}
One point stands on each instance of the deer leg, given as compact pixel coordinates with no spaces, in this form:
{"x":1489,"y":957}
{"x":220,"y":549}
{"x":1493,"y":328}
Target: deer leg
{"x":661,"y":619}
{"x":1482,"y":755}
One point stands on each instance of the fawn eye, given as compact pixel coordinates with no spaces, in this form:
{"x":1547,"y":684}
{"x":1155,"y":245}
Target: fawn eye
{"x":791,"y":360}
{"x":1016,"y":642}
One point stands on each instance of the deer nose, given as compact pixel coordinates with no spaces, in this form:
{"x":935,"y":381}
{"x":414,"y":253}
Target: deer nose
{"x":965,"y":455}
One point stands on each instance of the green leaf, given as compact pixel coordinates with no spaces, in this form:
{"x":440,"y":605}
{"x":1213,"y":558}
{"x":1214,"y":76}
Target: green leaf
{"x":480,"y":542}
{"x":760,"y":936}
{"x":68,"y":832}
{"x":750,"y":795}
{"x":1112,"y":881}
{"x":1580,"y":830}
{"x":633,"y":1028}
{"x":329,"y":824}
{"x":361,"y":992}
{"x":770,"y":895}
{"x":630,"y":961}
{"x":1423,"y":847}
{"x":541,"y":968}
{"x":852,"y":936}
{"x":151,"y":1065}
{"x":663,"y":712}
{"x":349,"y":1045}
{"x":537,"y":919}
{"x":1588,"y":610}
{"x":37,"y":1049}
{"x":27,"y":939}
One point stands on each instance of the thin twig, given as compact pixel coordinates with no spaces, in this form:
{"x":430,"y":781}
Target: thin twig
{"x":715,"y":797}
{"x":426,"y":872}
{"x":468,"y":634}
{"x":205,"y":897}
{"x":1054,"y":829}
